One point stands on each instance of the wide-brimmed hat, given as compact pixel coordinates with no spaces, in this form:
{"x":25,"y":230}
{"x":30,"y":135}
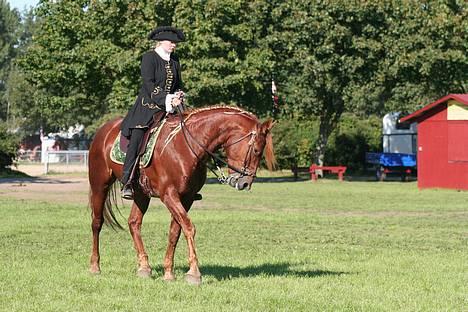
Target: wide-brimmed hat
{"x":167,"y":33}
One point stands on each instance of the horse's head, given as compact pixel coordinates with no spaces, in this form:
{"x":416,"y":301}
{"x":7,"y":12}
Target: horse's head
{"x":244,"y":150}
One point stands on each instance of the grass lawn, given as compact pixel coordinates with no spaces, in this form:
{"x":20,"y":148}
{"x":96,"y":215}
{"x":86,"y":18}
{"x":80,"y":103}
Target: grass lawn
{"x":286,"y":246}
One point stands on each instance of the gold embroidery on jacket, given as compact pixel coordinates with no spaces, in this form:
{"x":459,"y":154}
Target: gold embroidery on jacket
{"x":169,"y":77}
{"x":149,"y":105}
{"x":156,"y":91}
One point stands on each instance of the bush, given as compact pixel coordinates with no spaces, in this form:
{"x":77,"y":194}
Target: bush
{"x":9,"y":145}
{"x":352,"y":139}
{"x":294,"y":141}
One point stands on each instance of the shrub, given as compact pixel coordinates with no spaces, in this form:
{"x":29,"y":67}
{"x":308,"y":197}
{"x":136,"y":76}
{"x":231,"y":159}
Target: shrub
{"x":352,"y":139}
{"x":9,"y":145}
{"x":294,"y":141}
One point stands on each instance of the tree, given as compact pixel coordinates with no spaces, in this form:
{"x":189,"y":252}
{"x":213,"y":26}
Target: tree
{"x":9,"y":21}
{"x":225,"y":58}
{"x":327,"y":55}
{"x":84,"y":59}
{"x":85,"y":56}
{"x":425,"y":55}
{"x":367,"y":57}
{"x":18,"y":90}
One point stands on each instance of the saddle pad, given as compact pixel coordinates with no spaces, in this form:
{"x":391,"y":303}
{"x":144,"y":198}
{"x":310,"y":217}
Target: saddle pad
{"x":118,"y":156}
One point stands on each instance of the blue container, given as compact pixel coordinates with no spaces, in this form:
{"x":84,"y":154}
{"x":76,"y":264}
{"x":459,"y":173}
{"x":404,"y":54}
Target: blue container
{"x":391,"y":159}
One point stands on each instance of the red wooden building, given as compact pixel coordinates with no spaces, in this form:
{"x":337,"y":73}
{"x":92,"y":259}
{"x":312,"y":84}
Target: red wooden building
{"x":442,"y":156}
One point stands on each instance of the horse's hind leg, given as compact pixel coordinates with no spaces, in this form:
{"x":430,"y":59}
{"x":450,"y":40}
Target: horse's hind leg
{"x":99,"y":182}
{"x":139,"y":208}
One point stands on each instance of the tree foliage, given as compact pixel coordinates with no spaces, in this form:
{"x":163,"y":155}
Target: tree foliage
{"x":333,"y":51}
{"x":327,"y":57}
{"x":9,"y":143}
{"x":225,"y":58}
{"x":426,"y":55}
{"x":367,"y":57}
{"x":9,"y":22}
{"x":83,"y":58}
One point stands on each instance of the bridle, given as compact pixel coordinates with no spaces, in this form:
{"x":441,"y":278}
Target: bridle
{"x":244,"y":171}
{"x":233,"y":178}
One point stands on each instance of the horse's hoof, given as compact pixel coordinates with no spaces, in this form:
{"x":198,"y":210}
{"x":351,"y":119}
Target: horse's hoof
{"x":94,"y":270}
{"x":144,"y":272}
{"x":192,"y":279}
{"x":169,"y":277}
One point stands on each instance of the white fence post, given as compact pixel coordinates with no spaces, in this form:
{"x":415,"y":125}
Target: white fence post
{"x":67,"y":158}
{"x":46,"y":162}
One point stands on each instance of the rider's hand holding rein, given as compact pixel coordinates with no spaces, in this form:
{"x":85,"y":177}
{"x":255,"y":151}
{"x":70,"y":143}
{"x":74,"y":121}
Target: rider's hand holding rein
{"x":174,"y":100}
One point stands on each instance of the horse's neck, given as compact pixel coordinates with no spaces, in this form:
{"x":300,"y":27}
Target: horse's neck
{"x":216,"y":129}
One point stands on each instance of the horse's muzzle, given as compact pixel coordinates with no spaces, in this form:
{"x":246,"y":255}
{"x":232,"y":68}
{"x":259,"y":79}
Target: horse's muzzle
{"x":240,"y":182}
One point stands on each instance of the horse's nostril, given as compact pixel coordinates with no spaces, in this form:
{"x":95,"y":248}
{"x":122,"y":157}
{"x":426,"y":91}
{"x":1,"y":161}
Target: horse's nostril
{"x":242,"y":186}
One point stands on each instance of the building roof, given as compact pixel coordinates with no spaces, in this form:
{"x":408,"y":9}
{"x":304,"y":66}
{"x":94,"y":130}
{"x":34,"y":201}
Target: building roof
{"x":461,"y":98}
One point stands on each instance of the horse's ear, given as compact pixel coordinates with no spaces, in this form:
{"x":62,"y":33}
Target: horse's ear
{"x":268,"y":125}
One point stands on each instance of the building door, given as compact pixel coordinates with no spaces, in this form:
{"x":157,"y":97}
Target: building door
{"x":432,"y":154}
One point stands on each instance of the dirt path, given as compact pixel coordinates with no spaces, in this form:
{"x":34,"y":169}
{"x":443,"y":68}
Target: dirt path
{"x":49,"y":188}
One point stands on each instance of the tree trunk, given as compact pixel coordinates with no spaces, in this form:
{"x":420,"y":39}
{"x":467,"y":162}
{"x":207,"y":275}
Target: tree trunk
{"x":328,"y":122}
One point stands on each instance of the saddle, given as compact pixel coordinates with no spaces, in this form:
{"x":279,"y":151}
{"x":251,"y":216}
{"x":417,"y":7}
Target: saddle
{"x":119,"y":148}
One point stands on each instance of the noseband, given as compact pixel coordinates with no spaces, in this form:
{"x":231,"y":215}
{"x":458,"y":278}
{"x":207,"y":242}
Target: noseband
{"x":233,"y":178}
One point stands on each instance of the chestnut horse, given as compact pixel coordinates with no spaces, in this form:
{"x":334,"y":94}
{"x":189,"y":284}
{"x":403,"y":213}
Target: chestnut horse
{"x":176,"y":174}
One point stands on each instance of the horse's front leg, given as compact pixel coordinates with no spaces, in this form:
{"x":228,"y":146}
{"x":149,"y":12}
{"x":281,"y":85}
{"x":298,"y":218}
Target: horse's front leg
{"x":139,"y":208}
{"x":174,"y":234}
{"x":179,"y":213}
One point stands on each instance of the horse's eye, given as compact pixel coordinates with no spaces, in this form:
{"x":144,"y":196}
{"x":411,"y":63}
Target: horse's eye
{"x":256,"y":152}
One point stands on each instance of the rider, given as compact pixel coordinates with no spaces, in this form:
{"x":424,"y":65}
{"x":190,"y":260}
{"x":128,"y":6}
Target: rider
{"x":160,"y":70}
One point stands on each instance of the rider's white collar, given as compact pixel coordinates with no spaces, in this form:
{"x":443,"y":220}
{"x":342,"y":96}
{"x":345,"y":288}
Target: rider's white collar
{"x":163,"y":53}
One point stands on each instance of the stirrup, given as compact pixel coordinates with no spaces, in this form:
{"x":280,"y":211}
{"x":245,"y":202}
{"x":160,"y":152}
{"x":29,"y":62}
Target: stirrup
{"x":127,"y":192}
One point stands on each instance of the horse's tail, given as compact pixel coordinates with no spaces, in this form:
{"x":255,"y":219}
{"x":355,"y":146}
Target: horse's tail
{"x":108,"y":213}
{"x":102,"y":192}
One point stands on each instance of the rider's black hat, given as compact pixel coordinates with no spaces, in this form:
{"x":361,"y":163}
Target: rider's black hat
{"x":167,"y":33}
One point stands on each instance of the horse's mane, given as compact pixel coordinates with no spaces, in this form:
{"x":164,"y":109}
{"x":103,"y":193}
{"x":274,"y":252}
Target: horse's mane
{"x":189,"y":113}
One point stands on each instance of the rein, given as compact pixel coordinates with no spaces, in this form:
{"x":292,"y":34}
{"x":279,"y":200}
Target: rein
{"x":216,"y":159}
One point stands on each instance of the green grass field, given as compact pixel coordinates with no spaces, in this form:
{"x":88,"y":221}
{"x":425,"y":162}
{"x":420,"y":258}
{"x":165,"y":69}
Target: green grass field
{"x":286,"y":246}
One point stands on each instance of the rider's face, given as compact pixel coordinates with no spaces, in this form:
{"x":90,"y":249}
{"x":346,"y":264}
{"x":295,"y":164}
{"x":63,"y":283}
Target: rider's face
{"x":168,"y":46}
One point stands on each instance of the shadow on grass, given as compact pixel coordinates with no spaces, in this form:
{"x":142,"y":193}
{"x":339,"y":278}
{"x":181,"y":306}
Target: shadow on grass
{"x":223,"y":272}
{"x":28,"y":179}
{"x":354,"y":178}
{"x":263,"y":180}
{"x":12,"y":174}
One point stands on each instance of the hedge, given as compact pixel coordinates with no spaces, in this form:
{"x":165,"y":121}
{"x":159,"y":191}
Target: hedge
{"x":294,"y":141}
